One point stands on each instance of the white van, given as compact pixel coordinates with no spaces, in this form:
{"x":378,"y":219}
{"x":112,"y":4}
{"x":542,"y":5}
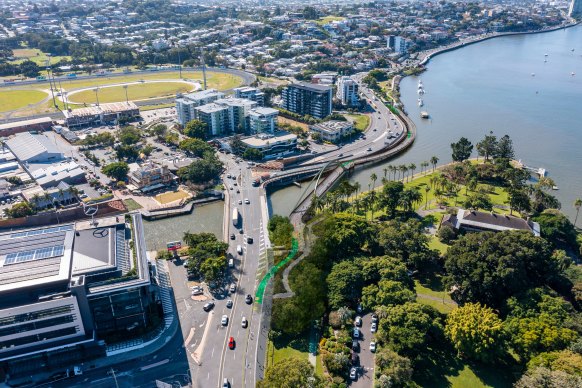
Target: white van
{"x":239,"y":249}
{"x":231,"y":263}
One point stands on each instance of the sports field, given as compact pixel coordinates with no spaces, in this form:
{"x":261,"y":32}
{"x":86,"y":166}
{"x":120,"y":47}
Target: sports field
{"x":139,"y":91}
{"x":15,"y":99}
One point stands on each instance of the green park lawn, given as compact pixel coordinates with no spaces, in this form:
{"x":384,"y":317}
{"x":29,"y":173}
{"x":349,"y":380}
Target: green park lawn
{"x":35,"y":55}
{"x":287,"y":348}
{"x":361,"y":122}
{"x":131,"y":204}
{"x":141,"y":91}
{"x":16,"y":99}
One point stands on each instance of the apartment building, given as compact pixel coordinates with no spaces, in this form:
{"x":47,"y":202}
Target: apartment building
{"x":187,"y":103}
{"x":250,"y":93}
{"x":308,"y":99}
{"x":263,"y":120}
{"x":347,"y":91}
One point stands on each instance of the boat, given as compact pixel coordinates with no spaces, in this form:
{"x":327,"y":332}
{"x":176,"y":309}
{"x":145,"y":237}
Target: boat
{"x":572,"y":74}
{"x":420,"y":91}
{"x":424,"y":115}
{"x":545,"y":55}
{"x":420,"y":102}
{"x":420,"y":84}
{"x":533,"y":74}
{"x":555,"y":188}
{"x":572,"y":50}
{"x":545,"y":60}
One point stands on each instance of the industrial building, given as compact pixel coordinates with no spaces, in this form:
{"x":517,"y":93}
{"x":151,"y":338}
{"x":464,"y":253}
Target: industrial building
{"x":253,"y":94}
{"x":347,"y":91}
{"x":69,"y":291}
{"x":29,"y":148}
{"x":273,"y":146}
{"x":333,"y":130}
{"x":308,"y":99}
{"x":186,"y":103}
{"x":101,"y":114}
{"x":40,"y":124}
{"x":51,"y":175}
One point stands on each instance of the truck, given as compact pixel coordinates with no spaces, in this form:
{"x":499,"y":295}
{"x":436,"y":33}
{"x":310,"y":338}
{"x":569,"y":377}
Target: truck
{"x":235,"y":216}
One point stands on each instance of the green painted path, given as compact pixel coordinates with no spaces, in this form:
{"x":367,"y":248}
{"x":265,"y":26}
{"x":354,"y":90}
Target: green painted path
{"x":273,"y":271}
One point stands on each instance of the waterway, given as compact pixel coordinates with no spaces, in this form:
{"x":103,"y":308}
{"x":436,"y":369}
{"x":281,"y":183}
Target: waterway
{"x":205,"y":218}
{"x":488,"y":86}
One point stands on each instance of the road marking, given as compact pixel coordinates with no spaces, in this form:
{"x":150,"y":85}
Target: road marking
{"x":155,"y":364}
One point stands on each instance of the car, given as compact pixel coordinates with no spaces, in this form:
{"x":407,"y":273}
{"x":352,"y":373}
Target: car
{"x":249,"y":240}
{"x":228,"y":176}
{"x":356,"y":332}
{"x":231,"y":343}
{"x":247,"y":201}
{"x":232,"y":288}
{"x":230,"y":188}
{"x":240,"y":231}
{"x":369,"y":149}
{"x":235,"y":184}
{"x":225,"y":383}
{"x":374,"y":327}
{"x":358,"y":321}
{"x":240,"y":201}
{"x":374,"y":129}
{"x":237,"y":191}
{"x":375,"y":318}
{"x":232,"y":236}
{"x":372,"y":346}
{"x":359,"y":309}
{"x":244,"y":323}
{"x":248,"y":299}
{"x":355,"y":346}
{"x":353,"y":373}
{"x":340,"y":155}
{"x":208,"y":306}
{"x":355,"y":359}
{"x":229,"y":303}
{"x":224,"y":320}
{"x":197,"y":290}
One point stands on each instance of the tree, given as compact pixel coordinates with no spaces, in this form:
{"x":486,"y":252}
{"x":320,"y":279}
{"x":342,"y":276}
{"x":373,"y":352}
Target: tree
{"x":446,"y":234}
{"x":490,"y":267}
{"x":344,"y":284}
{"x":461,"y":150}
{"x":202,"y":171}
{"x":252,"y":154}
{"x":196,"y":147}
{"x":345,"y":234}
{"x":383,"y":267}
{"x":577,"y":205}
{"x":476,"y":332}
{"x":197,"y":129}
{"x":290,"y":373}
{"x":29,"y":69}
{"x":386,"y":293}
{"x":116,"y":170}
{"x":390,"y":197}
{"x":407,"y":329}
{"x":488,"y":146}
{"x":129,"y":135}
{"x":557,"y":228}
{"x":21,"y":209}
{"x":504,"y":149}
{"x":393,"y":368}
{"x":159,"y":130}
{"x":518,"y":200}
{"x":407,"y":242}
{"x":546,"y":378}
{"x":434,"y":160}
{"x":564,"y":360}
{"x":409,"y":197}
{"x":212,"y":268}
{"x":478,"y":201}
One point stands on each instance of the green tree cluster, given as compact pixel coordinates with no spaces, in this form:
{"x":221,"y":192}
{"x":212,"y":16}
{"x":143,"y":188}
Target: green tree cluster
{"x":116,"y":170}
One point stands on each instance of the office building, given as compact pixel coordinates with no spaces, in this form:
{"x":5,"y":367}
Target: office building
{"x":67,"y":292}
{"x":575,"y":8}
{"x":250,"y":93}
{"x":186,"y":103}
{"x":308,"y":99}
{"x":397,"y":44}
{"x":347,"y":91}
{"x":273,"y":146}
{"x":263,"y":120}
{"x":332,"y":131}
{"x":101,"y":114}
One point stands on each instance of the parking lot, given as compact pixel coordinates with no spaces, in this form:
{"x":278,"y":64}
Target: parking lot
{"x":365,"y":369}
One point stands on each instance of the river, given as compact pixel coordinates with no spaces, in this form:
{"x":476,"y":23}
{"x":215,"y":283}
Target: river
{"x":488,"y":86}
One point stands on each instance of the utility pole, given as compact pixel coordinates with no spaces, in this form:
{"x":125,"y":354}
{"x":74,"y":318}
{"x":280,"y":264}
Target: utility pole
{"x":126,"y":97}
{"x":48,"y":73}
{"x":203,"y":67}
{"x":97,"y":95}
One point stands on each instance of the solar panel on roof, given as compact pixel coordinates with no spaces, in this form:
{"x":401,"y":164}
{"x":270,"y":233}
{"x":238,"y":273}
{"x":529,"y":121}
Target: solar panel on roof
{"x":34,"y":254}
{"x":42,"y":231}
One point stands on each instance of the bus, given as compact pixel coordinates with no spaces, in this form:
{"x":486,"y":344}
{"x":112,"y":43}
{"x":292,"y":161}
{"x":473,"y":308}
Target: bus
{"x":235,"y":216}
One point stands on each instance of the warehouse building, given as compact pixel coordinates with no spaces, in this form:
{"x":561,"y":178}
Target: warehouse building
{"x":29,"y":148}
{"x":68,"y":291}
{"x":40,"y":124}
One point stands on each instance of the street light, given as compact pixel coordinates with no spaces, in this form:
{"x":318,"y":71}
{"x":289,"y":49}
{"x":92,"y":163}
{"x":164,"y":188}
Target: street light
{"x":126,"y":98}
{"x":97,"y":95}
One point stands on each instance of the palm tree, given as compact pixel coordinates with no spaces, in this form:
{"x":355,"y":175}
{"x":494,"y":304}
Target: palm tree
{"x":35,"y":199}
{"x":412,"y":167}
{"x":404,"y":171}
{"x":47,"y":197}
{"x":385,"y":172}
{"x":434,"y":160}
{"x":577,"y":204}
{"x":426,"y":190}
{"x":357,"y":188}
{"x":373,"y":177}
{"x":425,"y":166}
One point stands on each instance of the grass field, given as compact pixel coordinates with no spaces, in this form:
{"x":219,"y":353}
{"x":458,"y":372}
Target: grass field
{"x":15,"y":99}
{"x":434,"y":295}
{"x":35,"y":55}
{"x":285,"y":120}
{"x":273,"y":80}
{"x":131,"y":204}
{"x":141,"y":91}
{"x":361,"y":122}
{"x":287,"y":349}
{"x":171,"y":196}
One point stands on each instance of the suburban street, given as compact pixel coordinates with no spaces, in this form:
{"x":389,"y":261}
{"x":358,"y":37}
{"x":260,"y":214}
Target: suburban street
{"x":366,"y":369}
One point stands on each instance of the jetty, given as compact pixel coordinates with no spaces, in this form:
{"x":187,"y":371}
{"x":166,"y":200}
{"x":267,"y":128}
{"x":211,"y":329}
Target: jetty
{"x":539,"y":171}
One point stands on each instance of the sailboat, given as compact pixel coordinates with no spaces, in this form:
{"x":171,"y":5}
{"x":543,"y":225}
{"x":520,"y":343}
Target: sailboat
{"x":420,"y":102}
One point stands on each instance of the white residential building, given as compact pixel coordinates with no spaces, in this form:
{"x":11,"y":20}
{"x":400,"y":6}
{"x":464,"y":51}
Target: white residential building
{"x":263,"y":120}
{"x":397,"y":44}
{"x":186,"y":103}
{"x":347,"y":91}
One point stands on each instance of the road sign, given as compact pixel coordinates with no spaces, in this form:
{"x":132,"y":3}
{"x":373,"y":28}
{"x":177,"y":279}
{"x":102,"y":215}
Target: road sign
{"x":174,"y":245}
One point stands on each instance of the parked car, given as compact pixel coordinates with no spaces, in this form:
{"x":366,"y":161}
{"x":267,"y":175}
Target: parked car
{"x":356,"y":332}
{"x":354,"y":373}
{"x":375,"y":318}
{"x":232,"y":288}
{"x":355,"y":346}
{"x":358,"y":321}
{"x":224,"y":320}
{"x":232,"y":236}
{"x":208,"y":306}
{"x":372,"y":346}
{"x":229,"y":303}
{"x":247,"y":201}
{"x":231,"y":343}
{"x":374,"y":327}
{"x":197,"y":290}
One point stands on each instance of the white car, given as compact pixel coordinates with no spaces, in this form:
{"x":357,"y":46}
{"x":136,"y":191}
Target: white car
{"x":356,"y":332}
{"x":358,"y":321}
{"x":240,"y":201}
{"x":224,"y":320}
{"x":244,"y":323}
{"x":247,"y":201}
{"x":373,"y":328}
{"x":372,"y":346}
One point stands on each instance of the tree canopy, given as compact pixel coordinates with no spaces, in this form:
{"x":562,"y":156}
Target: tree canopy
{"x":290,"y":373}
{"x":196,"y":129}
{"x":462,"y":149}
{"x":116,"y":170}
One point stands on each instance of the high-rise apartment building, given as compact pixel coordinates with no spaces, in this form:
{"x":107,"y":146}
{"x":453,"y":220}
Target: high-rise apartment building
{"x":347,"y":91}
{"x":308,"y":99}
{"x":249,"y":93}
{"x":186,"y":104}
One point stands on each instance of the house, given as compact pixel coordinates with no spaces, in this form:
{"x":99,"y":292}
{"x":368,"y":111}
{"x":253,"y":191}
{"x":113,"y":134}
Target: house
{"x":149,"y":176}
{"x":475,"y":221}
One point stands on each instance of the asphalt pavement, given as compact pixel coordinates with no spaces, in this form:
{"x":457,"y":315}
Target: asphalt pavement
{"x":366,"y":368}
